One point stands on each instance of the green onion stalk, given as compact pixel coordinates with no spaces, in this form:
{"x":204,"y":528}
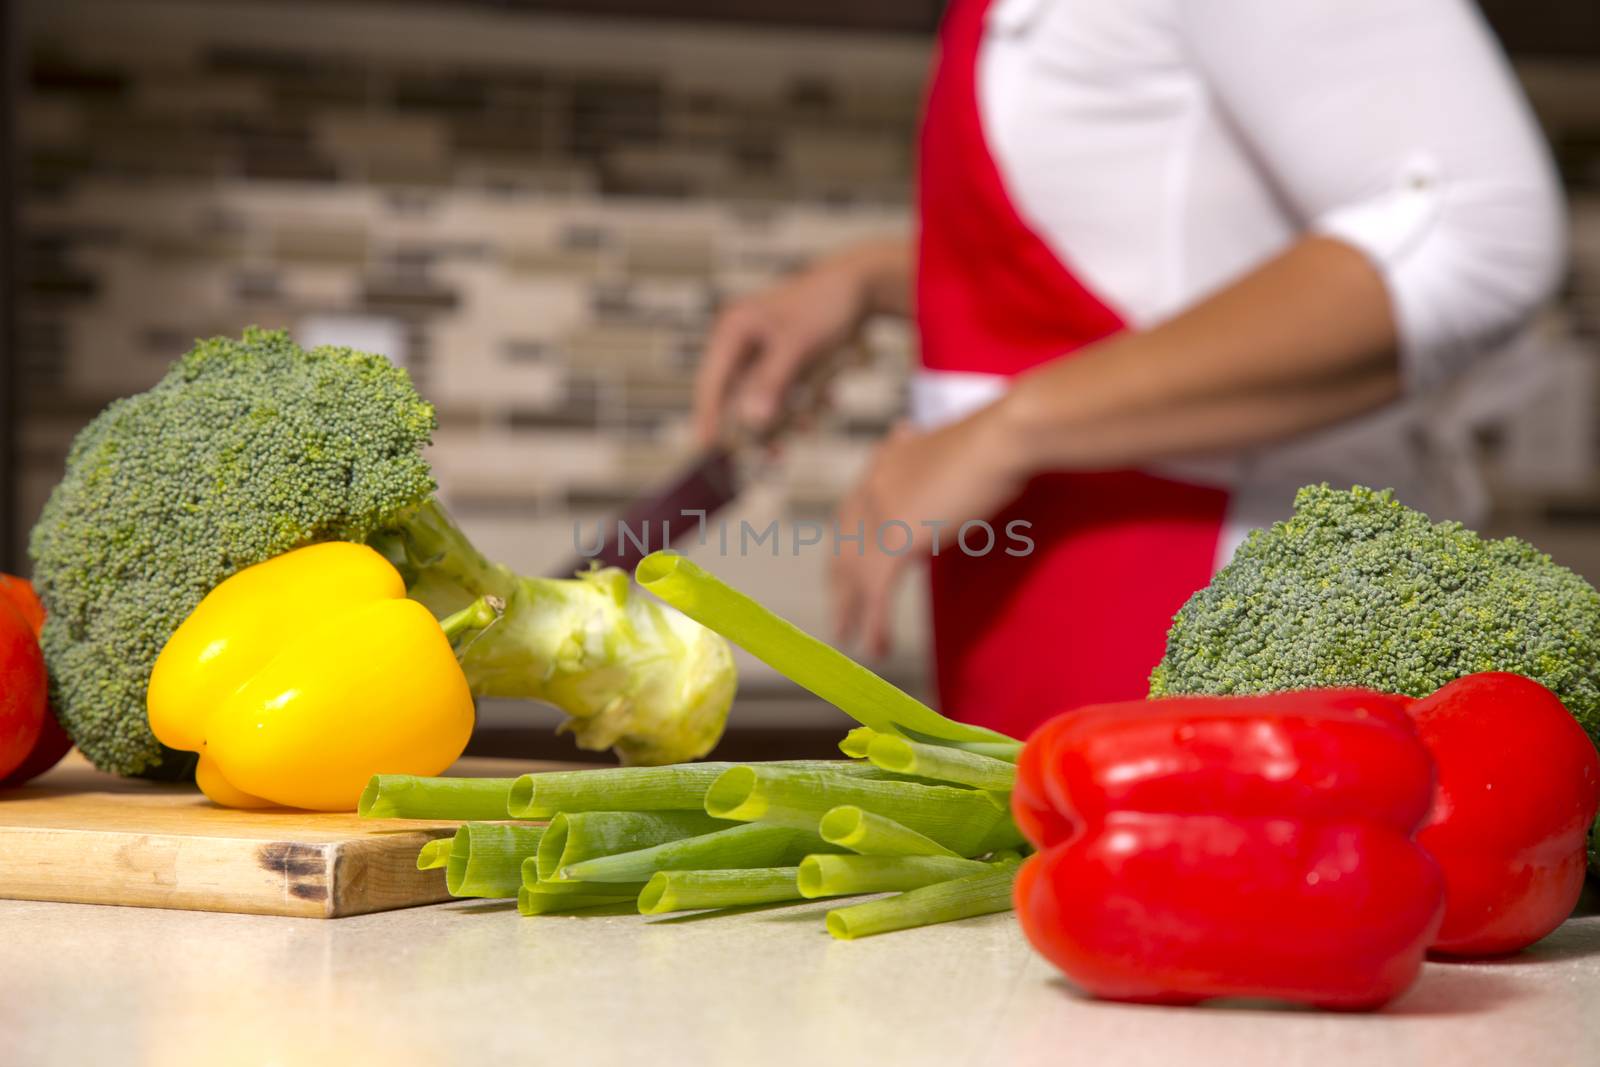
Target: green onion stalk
{"x":968,"y":822}
{"x":584,"y":835}
{"x":407,"y":796}
{"x":486,"y":858}
{"x":742,"y":846}
{"x":435,"y":853}
{"x":983,"y":893}
{"x":572,"y":887}
{"x":669,"y":891}
{"x":837,"y":876}
{"x":872,"y":834}
{"x":676,"y":788}
{"x":857,"y":742}
{"x":941,"y":763}
{"x":812,"y":664}
{"x":535,"y":901}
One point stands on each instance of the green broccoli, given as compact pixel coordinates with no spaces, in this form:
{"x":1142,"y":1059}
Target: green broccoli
{"x":249,"y":448}
{"x":1357,"y":589}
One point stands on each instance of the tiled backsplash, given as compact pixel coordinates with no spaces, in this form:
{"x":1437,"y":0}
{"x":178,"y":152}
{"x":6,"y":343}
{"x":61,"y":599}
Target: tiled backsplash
{"x":537,"y":215}
{"x":550,"y":234}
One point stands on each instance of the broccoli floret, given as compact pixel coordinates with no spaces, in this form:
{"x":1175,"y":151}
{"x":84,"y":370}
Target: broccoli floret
{"x":1357,"y":589}
{"x":249,"y":448}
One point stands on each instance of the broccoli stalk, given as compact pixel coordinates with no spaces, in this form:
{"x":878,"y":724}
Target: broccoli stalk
{"x":251,"y":447}
{"x":442,"y":568}
{"x":631,"y":673}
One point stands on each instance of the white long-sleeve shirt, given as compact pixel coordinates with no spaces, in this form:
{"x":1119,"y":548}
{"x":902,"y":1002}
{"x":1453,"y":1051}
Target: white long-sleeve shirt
{"x":1164,"y":147}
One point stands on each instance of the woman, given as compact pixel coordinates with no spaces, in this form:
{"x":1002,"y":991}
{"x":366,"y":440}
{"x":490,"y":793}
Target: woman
{"x":1173,"y":260}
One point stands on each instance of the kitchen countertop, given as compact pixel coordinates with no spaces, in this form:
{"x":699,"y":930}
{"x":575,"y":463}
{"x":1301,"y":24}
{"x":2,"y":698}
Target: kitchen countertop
{"x":475,"y":983}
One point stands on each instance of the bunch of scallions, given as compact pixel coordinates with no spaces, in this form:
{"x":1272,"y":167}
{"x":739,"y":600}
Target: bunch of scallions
{"x":921,"y":809}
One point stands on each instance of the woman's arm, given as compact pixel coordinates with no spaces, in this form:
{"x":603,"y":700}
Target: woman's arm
{"x":1304,"y":341}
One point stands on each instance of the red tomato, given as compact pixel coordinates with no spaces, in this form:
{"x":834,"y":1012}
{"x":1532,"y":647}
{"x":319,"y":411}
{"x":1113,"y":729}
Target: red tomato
{"x":22,"y":689}
{"x":51,"y":742}
{"x":19,"y":591}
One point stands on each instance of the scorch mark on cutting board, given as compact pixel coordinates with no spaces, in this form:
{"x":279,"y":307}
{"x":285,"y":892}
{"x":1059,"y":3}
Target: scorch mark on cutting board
{"x":304,"y":868}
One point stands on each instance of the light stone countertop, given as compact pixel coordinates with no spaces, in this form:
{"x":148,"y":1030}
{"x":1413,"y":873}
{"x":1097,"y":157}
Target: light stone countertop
{"x":466,"y":983}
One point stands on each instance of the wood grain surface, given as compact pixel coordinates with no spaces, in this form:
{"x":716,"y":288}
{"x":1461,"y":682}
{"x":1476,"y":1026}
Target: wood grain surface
{"x":77,"y":835}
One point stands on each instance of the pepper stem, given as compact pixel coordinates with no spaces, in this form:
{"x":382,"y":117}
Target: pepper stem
{"x":478,"y":615}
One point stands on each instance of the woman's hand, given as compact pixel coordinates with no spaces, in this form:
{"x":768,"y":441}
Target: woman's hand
{"x":918,"y":490}
{"x":761,"y":342}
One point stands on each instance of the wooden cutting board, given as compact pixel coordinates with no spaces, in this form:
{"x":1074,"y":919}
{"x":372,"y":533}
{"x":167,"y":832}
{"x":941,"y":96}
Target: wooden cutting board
{"x":78,"y":835}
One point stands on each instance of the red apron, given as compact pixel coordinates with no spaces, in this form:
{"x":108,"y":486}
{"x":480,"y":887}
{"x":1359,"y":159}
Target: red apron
{"x":1084,"y":617}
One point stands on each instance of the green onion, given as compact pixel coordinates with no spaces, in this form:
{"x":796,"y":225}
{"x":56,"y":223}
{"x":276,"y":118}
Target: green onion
{"x":408,"y":796}
{"x":960,"y":898}
{"x":961,"y":820}
{"x":536,"y":902}
{"x":583,"y":835}
{"x":486,"y":858}
{"x":746,"y":845}
{"x":530,"y":880}
{"x":1006,"y":750}
{"x":867,"y":832}
{"x":677,"y":788}
{"x":804,"y":660}
{"x":1004,"y":837}
{"x":856,"y":741}
{"x":837,"y":876}
{"x":435,"y":853}
{"x":692,"y":890}
{"x":941,"y":763}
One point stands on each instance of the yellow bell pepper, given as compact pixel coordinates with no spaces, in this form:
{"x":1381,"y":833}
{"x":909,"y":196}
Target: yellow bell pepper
{"x":298,"y":679}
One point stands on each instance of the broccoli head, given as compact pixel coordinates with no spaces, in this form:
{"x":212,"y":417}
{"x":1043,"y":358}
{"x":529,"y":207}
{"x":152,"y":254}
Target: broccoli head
{"x":252,"y":447}
{"x":1357,"y":589}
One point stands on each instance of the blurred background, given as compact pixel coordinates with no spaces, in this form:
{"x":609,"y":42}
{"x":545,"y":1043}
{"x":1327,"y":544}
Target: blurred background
{"x":537,"y":208}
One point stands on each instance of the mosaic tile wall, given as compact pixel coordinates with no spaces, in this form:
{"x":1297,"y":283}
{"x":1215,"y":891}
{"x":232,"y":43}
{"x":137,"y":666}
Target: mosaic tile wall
{"x":546,"y":240}
{"x":537,"y":215}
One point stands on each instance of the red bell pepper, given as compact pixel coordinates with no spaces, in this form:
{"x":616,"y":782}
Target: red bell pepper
{"x":1198,"y":847}
{"x":1518,"y":789}
{"x":50,"y":742}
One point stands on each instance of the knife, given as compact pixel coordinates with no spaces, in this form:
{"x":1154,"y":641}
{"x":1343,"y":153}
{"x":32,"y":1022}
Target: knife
{"x":706,"y":485}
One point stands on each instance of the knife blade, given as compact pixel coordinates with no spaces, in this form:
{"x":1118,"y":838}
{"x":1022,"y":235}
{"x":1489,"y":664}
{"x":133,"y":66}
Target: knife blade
{"x":707,"y":484}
